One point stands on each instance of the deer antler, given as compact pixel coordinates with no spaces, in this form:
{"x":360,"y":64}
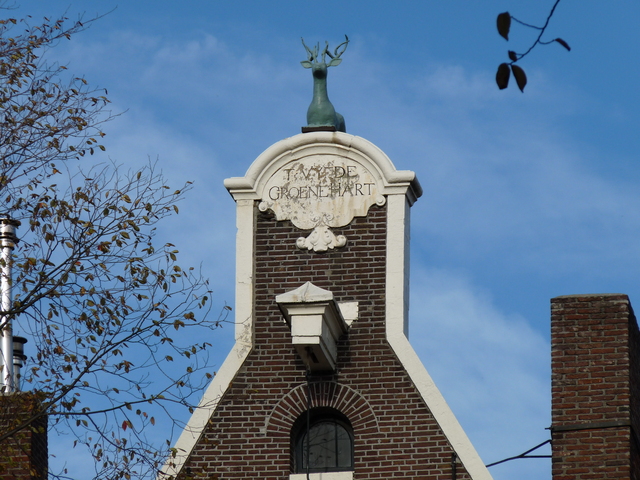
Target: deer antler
{"x":326,"y":52}
{"x":335,"y":58}
{"x":335,"y":52}
{"x":312,"y":56}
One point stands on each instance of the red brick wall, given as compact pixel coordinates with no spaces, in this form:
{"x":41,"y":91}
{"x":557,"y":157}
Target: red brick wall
{"x":395,"y":435}
{"x":24,"y":454}
{"x":594,"y":343}
{"x":634,"y":391}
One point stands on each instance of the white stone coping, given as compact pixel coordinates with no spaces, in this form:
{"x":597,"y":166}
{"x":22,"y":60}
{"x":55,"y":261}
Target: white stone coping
{"x":201,"y":415}
{"x":245,"y":221}
{"x":390,"y":180}
{"x":439,"y":408}
{"x":403,"y":189}
{"x":310,"y":299}
{"x":322,"y":476}
{"x":397,"y":310}
{"x":306,"y":293}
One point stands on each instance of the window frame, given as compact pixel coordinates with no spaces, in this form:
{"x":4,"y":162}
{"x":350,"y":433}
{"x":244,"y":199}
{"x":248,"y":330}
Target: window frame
{"x":298,"y":444}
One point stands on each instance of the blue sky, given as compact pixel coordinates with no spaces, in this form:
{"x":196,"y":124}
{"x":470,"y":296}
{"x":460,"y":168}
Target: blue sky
{"x":527,"y":196}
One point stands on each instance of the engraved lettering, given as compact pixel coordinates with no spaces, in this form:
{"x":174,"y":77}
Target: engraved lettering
{"x":333,"y":181}
{"x":321,"y":190}
{"x":324,"y":172}
{"x":306,"y":175}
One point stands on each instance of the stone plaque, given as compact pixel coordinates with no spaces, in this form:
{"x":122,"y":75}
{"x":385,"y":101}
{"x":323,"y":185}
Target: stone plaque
{"x":318,"y":193}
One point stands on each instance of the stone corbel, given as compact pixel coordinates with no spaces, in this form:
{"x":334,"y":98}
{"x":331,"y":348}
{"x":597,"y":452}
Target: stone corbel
{"x":316,"y":324}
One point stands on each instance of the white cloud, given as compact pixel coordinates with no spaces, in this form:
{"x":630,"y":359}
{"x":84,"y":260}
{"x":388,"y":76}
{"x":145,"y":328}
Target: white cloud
{"x":504,"y":189}
{"x":501,"y":180}
{"x":492,"y":368}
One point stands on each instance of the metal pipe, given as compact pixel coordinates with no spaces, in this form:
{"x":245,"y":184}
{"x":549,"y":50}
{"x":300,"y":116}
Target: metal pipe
{"x":18,"y":360}
{"x":8,"y":240}
{"x":454,"y":466}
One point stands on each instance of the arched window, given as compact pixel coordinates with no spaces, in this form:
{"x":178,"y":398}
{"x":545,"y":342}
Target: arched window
{"x":323,"y":440}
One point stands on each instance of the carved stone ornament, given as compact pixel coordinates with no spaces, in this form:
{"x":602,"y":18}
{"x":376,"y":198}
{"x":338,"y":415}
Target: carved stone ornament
{"x":318,"y":193}
{"x":321,"y":239}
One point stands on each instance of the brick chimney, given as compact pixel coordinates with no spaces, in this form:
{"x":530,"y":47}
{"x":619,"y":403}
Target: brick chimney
{"x":24,"y":454}
{"x":594,"y":384}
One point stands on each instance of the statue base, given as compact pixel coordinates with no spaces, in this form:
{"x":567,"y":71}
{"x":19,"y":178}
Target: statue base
{"x":325,"y":128}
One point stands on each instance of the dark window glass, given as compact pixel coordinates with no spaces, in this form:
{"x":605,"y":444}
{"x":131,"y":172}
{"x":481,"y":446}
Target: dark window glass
{"x":326,"y":444}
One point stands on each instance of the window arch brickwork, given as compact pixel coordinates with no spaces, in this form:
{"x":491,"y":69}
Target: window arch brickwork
{"x":323,"y":394}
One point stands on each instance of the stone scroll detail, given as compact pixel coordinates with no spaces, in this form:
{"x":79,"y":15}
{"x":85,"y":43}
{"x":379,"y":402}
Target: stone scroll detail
{"x":318,"y":193}
{"x":321,"y":239}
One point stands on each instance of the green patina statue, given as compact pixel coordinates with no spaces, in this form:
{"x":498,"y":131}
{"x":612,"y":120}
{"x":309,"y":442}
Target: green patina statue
{"x":321,"y":112}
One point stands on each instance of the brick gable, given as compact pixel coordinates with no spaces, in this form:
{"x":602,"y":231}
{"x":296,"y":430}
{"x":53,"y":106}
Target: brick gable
{"x":323,"y":234}
{"x":395,"y":433}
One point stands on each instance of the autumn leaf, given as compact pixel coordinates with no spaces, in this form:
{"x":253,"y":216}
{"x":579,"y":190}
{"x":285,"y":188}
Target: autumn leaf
{"x":504,"y":24}
{"x":563,"y":43}
{"x":519,"y":75}
{"x":502,"y":76}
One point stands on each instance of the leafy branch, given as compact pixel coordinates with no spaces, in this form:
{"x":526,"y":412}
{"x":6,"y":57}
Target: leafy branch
{"x":116,"y":326}
{"x":503,"y":74}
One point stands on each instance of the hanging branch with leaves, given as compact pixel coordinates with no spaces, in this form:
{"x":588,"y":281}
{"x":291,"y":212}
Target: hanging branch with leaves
{"x":118,"y":331}
{"x":504,"y":69}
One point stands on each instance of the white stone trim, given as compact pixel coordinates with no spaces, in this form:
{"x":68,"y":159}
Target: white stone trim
{"x":324,"y":143}
{"x":245,"y":266}
{"x":397,"y":279}
{"x":402,"y":189}
{"x":316,"y":324}
{"x":397,"y":309}
{"x":349,"y":311}
{"x":322,"y":476}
